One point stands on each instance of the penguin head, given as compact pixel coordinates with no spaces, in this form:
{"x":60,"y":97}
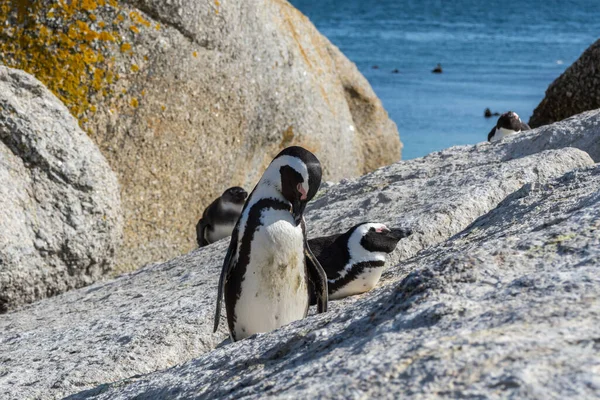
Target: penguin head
{"x":372,"y":241}
{"x":510,"y":121}
{"x":296,"y":173}
{"x":235,"y":195}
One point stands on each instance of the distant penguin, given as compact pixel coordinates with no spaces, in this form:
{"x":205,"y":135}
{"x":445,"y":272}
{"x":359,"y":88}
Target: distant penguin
{"x":508,"y":124}
{"x":438,"y":69}
{"x":269,"y":263}
{"x":354,"y":261}
{"x":219,"y":218}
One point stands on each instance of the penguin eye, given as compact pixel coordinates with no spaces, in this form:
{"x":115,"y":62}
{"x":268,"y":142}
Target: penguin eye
{"x":371,"y":229}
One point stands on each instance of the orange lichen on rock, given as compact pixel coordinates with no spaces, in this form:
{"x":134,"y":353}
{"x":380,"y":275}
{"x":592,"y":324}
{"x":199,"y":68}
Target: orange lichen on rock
{"x":287,"y":137}
{"x":138,"y":19}
{"x":64,"y":45}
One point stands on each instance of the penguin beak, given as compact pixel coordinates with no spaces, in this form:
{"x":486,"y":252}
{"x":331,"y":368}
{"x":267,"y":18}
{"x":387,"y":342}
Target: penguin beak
{"x":399,"y":233}
{"x":302,"y":191}
{"x":297,"y":210}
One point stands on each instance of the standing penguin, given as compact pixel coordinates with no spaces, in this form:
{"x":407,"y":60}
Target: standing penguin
{"x":354,"y":261}
{"x":268,"y":264}
{"x":219,"y":218}
{"x":508,"y":124}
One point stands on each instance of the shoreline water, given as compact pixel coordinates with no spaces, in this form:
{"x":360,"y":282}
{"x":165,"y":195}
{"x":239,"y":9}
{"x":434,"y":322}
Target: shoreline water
{"x":498,"y":55}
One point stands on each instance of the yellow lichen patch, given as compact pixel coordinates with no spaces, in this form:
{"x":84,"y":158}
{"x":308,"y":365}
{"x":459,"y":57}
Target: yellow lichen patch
{"x":134,"y":29}
{"x":60,"y":44}
{"x":135,"y":68}
{"x":195,"y":54}
{"x":88,"y":5}
{"x":138,"y":19}
{"x":157,"y":27}
{"x":134,"y":102}
{"x":106,"y":37}
{"x":287,"y":137}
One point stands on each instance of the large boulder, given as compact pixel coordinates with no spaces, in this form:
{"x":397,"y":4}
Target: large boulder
{"x":60,"y":216}
{"x":161,"y":315}
{"x":575,"y":91}
{"x":508,"y":308}
{"x":186,"y":98}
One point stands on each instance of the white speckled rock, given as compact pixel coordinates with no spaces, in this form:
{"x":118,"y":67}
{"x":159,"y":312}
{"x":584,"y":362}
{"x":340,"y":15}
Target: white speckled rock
{"x":60,"y":215}
{"x":161,"y":315}
{"x":508,"y":308}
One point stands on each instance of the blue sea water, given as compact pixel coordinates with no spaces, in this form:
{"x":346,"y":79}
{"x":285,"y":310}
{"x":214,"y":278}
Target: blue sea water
{"x":500,"y":54}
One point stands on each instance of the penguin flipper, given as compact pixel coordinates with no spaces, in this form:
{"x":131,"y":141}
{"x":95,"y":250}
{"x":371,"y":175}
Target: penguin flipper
{"x":318,"y":277}
{"x":227,"y":267}
{"x":201,"y":233}
{"x":525,"y":127}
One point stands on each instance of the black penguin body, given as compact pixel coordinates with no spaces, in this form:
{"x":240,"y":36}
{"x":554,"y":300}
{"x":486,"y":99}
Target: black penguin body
{"x":354,"y":260}
{"x":508,"y":124}
{"x":220,"y":217}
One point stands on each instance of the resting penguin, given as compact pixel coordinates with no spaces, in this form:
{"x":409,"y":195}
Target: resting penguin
{"x":508,"y":124}
{"x":354,"y":261}
{"x":268,"y":265}
{"x":219,"y":218}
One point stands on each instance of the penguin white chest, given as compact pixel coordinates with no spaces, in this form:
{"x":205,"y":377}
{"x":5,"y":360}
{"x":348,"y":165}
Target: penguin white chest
{"x":219,"y":231}
{"x":364,"y":282}
{"x":502,"y":133}
{"x":273,"y":291}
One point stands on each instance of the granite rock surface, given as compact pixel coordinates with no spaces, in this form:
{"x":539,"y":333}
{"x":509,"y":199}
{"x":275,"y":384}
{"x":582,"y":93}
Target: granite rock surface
{"x":507,"y":308}
{"x":60,"y":212}
{"x":161,"y":316}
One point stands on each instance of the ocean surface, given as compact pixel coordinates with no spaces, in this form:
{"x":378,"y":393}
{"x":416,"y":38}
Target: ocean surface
{"x":496,"y":54}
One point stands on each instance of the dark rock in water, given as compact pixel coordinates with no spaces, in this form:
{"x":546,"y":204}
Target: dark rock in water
{"x":437,"y":69}
{"x":488,"y":113}
{"x":395,"y":71}
{"x":575,"y":91}
{"x":375,"y":67}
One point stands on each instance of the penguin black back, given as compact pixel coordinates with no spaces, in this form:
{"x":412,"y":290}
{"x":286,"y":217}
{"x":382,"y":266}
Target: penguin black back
{"x":507,"y":124}
{"x":220,"y":217}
